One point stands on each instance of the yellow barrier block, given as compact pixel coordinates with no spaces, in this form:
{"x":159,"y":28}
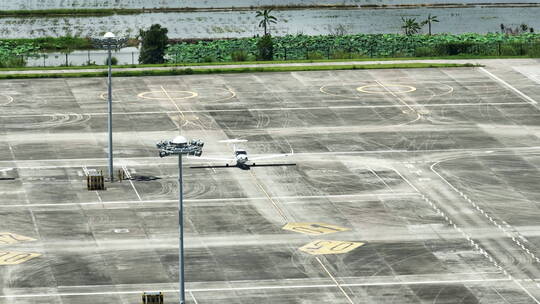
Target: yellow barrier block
{"x":8,"y":238}
{"x":14,"y":258}
{"x":330,"y":247}
{"x":314,"y":228}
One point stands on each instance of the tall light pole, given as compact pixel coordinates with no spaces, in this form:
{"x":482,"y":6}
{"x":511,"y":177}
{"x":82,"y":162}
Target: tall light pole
{"x":109,"y":42}
{"x":179,"y":146}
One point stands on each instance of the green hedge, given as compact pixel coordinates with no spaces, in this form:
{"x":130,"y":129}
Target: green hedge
{"x":53,"y":44}
{"x":293,"y":47}
{"x":12,"y":54}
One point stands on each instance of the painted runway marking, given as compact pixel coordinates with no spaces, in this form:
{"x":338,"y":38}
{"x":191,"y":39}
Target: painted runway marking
{"x":189,"y":94}
{"x":179,"y":111}
{"x":128,"y":175}
{"x":282,"y":213}
{"x":275,"y":109}
{"x":401,"y":100}
{"x":15,"y":258}
{"x":314,"y":228}
{"x":506,"y":84}
{"x":485,"y":214}
{"x":8,"y":99}
{"x":279,"y":210}
{"x":262,"y":287}
{"x":335,"y":281}
{"x":472,"y":242}
{"x":210,"y":200}
{"x":151,"y":160}
{"x":105,"y":95}
{"x":403,"y":88}
{"x":377,"y":175}
{"x":8,"y":238}
{"x":193,"y":296}
{"x":330,"y":247}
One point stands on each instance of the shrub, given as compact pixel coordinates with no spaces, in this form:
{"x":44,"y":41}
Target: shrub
{"x":208,"y":58}
{"x":400,"y":54}
{"x":154,"y":41}
{"x":114,"y":61}
{"x":455,"y":48}
{"x":340,"y":55}
{"x":347,"y":55}
{"x":424,"y":51}
{"x":292,"y":47}
{"x":314,"y":56}
{"x":265,"y":47}
{"x":534,"y":51}
{"x":239,"y":55}
{"x":509,"y":50}
{"x":13,"y":62}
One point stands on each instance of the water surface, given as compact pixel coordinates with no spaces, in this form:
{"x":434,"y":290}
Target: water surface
{"x":232,"y":24}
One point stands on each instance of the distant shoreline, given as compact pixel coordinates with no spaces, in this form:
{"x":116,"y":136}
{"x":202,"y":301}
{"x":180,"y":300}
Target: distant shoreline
{"x":113,"y":11}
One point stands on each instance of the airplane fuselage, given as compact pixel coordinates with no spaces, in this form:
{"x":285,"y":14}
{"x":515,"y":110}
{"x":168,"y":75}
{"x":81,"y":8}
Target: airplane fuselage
{"x":241,"y":157}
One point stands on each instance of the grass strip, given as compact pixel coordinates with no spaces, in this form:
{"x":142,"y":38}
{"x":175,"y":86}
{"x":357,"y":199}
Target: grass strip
{"x":172,"y":65}
{"x":189,"y":71}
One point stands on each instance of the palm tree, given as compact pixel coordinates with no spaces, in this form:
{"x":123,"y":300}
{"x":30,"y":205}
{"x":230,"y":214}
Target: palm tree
{"x":410,"y":26}
{"x":428,"y":22}
{"x":266,"y":20}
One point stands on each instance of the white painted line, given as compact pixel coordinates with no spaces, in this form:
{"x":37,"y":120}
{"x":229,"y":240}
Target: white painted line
{"x":396,"y":96}
{"x":527,"y":292}
{"x":432,"y":167}
{"x":316,"y":286}
{"x":151,"y":160}
{"x":131,"y":182}
{"x":410,"y":184}
{"x":377,"y":175}
{"x":472,"y":242}
{"x":527,"y":98}
{"x":210,"y":200}
{"x":335,"y":281}
{"x":270,"y":198}
{"x":193,"y":297}
{"x":273,"y":109}
{"x":99,"y":198}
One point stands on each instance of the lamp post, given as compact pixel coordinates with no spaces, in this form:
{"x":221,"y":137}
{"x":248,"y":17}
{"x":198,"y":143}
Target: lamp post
{"x":109,"y":42}
{"x":179,"y":146}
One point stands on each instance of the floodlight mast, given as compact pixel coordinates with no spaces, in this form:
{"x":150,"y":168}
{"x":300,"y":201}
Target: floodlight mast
{"x":179,"y":146}
{"x":109,"y":42}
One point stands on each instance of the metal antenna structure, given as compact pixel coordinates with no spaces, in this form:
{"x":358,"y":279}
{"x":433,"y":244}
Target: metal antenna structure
{"x":109,"y":42}
{"x":180,"y":146}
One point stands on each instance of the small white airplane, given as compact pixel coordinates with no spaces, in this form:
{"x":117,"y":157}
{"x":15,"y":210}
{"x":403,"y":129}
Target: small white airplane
{"x":240,"y":158}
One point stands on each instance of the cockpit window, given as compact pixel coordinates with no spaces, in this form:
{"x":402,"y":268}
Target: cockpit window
{"x":240,"y":152}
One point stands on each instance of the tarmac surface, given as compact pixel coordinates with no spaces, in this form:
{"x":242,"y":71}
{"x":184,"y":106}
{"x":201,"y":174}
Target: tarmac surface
{"x":410,"y":186}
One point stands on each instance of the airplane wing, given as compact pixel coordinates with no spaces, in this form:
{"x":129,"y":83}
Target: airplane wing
{"x":268,"y":156}
{"x":214,"y":158}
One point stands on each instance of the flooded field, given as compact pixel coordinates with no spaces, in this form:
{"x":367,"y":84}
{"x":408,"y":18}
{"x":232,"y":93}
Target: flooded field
{"x":244,"y":24}
{"x":51,"y":4}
